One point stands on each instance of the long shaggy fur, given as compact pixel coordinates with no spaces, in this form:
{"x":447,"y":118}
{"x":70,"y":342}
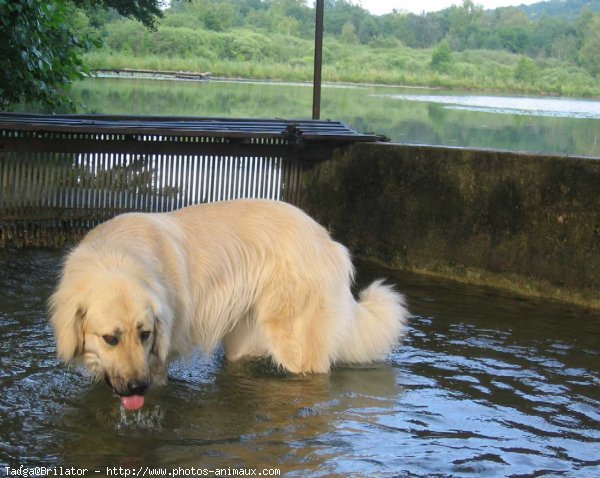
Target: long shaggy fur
{"x":260,"y":278}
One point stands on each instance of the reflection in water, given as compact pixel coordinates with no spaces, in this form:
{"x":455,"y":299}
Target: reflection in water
{"x":484,"y":385}
{"x":528,"y":124}
{"x":524,"y":106}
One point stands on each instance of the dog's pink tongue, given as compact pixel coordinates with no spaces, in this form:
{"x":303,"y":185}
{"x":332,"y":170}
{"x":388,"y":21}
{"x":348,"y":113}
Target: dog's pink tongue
{"x":134,"y":402}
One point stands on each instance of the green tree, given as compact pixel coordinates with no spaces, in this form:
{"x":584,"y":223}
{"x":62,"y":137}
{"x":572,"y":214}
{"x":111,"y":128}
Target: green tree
{"x":348,"y":34}
{"x":553,"y":36}
{"x":513,"y":29}
{"x":367,"y":29}
{"x":441,"y":57}
{"x":465,"y":25}
{"x":40,"y":54}
{"x":514,"y":38}
{"x":145,"y":11}
{"x":589,"y":54}
{"x":526,"y":70}
{"x":42,"y":41}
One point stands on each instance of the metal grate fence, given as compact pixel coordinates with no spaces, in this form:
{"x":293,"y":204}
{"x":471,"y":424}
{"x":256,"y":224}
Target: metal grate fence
{"x":62,"y":175}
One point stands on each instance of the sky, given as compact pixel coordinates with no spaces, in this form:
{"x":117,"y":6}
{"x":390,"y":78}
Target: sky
{"x":379,"y":7}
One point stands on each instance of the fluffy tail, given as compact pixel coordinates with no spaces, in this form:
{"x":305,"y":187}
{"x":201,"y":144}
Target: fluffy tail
{"x":379,"y":323}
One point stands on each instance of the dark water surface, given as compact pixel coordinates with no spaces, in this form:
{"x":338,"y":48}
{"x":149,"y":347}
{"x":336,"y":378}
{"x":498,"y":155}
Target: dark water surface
{"x":485,"y":385}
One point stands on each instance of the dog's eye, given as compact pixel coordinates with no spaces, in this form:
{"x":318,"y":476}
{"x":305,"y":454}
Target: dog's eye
{"x":145,"y":335}
{"x":110,"y":339}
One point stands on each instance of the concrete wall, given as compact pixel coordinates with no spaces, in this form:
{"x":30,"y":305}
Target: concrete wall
{"x":525,"y":222}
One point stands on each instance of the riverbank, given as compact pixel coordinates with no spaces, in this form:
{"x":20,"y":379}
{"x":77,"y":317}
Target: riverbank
{"x":480,"y":70}
{"x":129,"y":73}
{"x":151,"y":74}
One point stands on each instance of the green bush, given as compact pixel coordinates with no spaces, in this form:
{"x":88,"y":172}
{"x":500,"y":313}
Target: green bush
{"x":526,"y":70}
{"x":441,"y":57}
{"x":242,"y":45}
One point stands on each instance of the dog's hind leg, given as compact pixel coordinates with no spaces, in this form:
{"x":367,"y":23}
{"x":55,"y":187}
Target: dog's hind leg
{"x":301,"y":332}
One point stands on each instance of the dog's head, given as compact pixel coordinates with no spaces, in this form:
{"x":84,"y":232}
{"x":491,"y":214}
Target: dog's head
{"x":112,"y":322}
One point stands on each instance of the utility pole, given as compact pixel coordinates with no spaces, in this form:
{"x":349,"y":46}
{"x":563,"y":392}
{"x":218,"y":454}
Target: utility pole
{"x":320,"y":7}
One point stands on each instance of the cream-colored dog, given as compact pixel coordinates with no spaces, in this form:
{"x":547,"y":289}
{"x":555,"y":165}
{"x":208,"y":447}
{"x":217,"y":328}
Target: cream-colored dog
{"x":259,"y":277}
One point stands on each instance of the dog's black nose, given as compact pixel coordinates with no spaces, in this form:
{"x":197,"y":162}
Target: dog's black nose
{"x":138,"y":387}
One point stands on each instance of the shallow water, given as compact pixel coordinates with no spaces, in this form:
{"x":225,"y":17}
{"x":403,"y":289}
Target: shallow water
{"x":485,"y":384}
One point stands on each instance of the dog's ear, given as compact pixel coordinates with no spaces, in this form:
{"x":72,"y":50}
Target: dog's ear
{"x":163,"y":323}
{"x":66,"y":317}
{"x":162,"y":338}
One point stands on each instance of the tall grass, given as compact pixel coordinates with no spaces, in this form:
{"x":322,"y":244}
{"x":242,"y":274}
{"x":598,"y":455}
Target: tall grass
{"x":246,"y":54}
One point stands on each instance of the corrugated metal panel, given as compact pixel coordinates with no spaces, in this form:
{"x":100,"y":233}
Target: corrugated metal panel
{"x":61,"y":175}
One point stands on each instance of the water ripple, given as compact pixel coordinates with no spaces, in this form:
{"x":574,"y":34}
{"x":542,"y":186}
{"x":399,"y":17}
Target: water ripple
{"x":509,"y":390}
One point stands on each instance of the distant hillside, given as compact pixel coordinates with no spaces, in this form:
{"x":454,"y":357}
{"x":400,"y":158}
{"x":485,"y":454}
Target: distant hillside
{"x":462,"y":47}
{"x":567,"y":9}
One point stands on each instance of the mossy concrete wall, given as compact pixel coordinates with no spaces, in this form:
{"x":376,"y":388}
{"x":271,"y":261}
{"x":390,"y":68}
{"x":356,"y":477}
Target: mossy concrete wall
{"x":526,"y":222}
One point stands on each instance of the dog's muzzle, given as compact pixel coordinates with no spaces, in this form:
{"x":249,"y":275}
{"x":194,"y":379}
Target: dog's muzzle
{"x":133,"y":387}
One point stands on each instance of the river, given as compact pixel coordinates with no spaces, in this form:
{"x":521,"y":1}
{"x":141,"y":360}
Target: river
{"x":485,"y":384}
{"x":407,"y":115}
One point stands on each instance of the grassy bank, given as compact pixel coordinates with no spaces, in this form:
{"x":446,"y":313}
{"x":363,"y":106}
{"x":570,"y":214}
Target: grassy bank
{"x":390,"y":64}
